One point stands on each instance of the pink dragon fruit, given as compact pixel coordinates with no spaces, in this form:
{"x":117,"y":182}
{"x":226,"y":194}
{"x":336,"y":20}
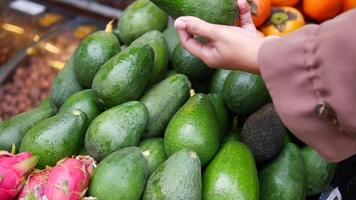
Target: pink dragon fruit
{"x":35,"y":184}
{"x":13,"y":172}
{"x":69,"y":179}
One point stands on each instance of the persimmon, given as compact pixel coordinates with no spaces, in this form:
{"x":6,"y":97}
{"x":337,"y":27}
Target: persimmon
{"x":349,"y":4}
{"x":280,"y":3}
{"x":321,"y":10}
{"x":282,"y":21}
{"x":260,"y":10}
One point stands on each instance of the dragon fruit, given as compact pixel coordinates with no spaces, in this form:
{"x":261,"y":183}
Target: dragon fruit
{"x":35,"y":184}
{"x":13,"y":172}
{"x":69,"y":179}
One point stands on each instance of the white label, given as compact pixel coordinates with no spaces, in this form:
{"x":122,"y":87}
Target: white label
{"x":335,"y":195}
{"x":27,"y":7}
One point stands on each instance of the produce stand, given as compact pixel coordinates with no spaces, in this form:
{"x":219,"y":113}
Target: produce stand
{"x":98,"y":103}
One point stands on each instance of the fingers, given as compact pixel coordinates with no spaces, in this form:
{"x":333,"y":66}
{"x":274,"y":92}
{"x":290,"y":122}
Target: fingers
{"x":245,"y":16}
{"x":195,"y":26}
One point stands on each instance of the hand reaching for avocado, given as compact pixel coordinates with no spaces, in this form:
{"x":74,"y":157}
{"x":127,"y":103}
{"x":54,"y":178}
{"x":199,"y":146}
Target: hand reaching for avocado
{"x":230,"y":47}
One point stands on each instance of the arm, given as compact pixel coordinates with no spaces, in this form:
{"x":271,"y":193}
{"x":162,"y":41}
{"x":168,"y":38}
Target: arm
{"x":312,"y":65}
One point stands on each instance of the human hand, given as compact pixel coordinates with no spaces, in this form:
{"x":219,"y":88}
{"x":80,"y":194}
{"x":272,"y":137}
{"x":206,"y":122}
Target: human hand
{"x":228,"y":47}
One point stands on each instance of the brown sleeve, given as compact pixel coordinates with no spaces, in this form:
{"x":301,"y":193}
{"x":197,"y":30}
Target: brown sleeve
{"x":311,"y":76}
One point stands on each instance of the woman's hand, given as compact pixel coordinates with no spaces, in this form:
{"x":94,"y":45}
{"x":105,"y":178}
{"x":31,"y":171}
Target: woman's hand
{"x":228,"y":47}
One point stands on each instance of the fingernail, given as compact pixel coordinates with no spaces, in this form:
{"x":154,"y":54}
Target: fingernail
{"x":179,"y":24}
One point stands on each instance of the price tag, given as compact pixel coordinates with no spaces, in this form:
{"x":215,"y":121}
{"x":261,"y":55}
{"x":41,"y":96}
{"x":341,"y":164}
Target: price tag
{"x":27,"y":7}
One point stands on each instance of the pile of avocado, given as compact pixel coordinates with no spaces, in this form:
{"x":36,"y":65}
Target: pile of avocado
{"x":163,"y":125}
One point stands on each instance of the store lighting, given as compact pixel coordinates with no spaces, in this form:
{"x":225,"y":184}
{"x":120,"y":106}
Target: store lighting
{"x":13,"y":28}
{"x":36,"y":38}
{"x":52,"y":48}
{"x":56,"y":64}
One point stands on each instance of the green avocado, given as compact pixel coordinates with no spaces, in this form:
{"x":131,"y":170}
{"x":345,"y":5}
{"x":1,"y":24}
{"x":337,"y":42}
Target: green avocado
{"x":162,"y":101}
{"x":177,"y":178}
{"x":14,"y":129}
{"x":139,"y":18}
{"x":172,"y":39}
{"x":244,"y":93}
{"x":232,"y":174}
{"x":65,"y":84}
{"x":319,"y":172}
{"x":186,"y":63}
{"x":92,"y":53}
{"x":84,"y":101}
{"x":121,"y":175}
{"x":160,"y":63}
{"x":153,"y":149}
{"x":124,"y":77}
{"x":56,"y":138}
{"x":194,"y":127}
{"x":284,"y":177}
{"x":213,"y":11}
{"x":221,"y":110}
{"x":218,"y":80}
{"x":116,"y":128}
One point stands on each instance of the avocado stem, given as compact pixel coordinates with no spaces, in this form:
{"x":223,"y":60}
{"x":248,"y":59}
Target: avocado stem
{"x":192,"y":92}
{"x":109,"y":26}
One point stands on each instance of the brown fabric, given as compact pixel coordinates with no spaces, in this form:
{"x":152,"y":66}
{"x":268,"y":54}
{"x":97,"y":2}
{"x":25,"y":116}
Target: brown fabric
{"x":314,"y":64}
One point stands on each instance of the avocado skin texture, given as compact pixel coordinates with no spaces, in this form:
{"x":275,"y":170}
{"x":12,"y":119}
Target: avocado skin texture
{"x":116,"y":128}
{"x":92,"y":53}
{"x":14,"y":129}
{"x":139,"y":18}
{"x":154,"y":147}
{"x":284,"y":177}
{"x":195,"y":127}
{"x":124,"y":77}
{"x":244,"y":93}
{"x":213,"y":11}
{"x":160,"y":63}
{"x":162,"y":101}
{"x":121,"y":175}
{"x":221,"y":110}
{"x":172,"y":40}
{"x":186,"y":63}
{"x":177,"y":178}
{"x":218,"y":80}
{"x":56,"y":138}
{"x":84,"y":101}
{"x":319,"y":172}
{"x":232,"y":174}
{"x":65,"y":84}
{"x":263,"y":132}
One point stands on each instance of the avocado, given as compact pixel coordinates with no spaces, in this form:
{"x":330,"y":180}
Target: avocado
{"x":160,"y":63}
{"x":244,"y":93}
{"x":232,"y":174}
{"x":56,"y":138}
{"x":84,"y":101}
{"x":14,"y":129}
{"x":92,"y":53}
{"x":186,"y":63}
{"x":139,"y":18}
{"x":121,"y":175}
{"x":153,"y":149}
{"x":263,"y":132}
{"x":195,"y":127}
{"x":117,"y":33}
{"x":218,"y":80}
{"x":116,"y":128}
{"x":284,"y":177}
{"x":162,"y":101}
{"x":213,"y":11}
{"x":179,"y":177}
{"x":124,"y":77}
{"x":319,"y":172}
{"x":65,"y":84}
{"x":221,"y":110}
{"x":172,"y":39}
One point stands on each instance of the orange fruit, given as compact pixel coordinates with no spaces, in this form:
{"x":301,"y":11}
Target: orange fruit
{"x":284,"y":2}
{"x":321,"y":10}
{"x":282,"y":21}
{"x":260,"y":10}
{"x":349,"y":4}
